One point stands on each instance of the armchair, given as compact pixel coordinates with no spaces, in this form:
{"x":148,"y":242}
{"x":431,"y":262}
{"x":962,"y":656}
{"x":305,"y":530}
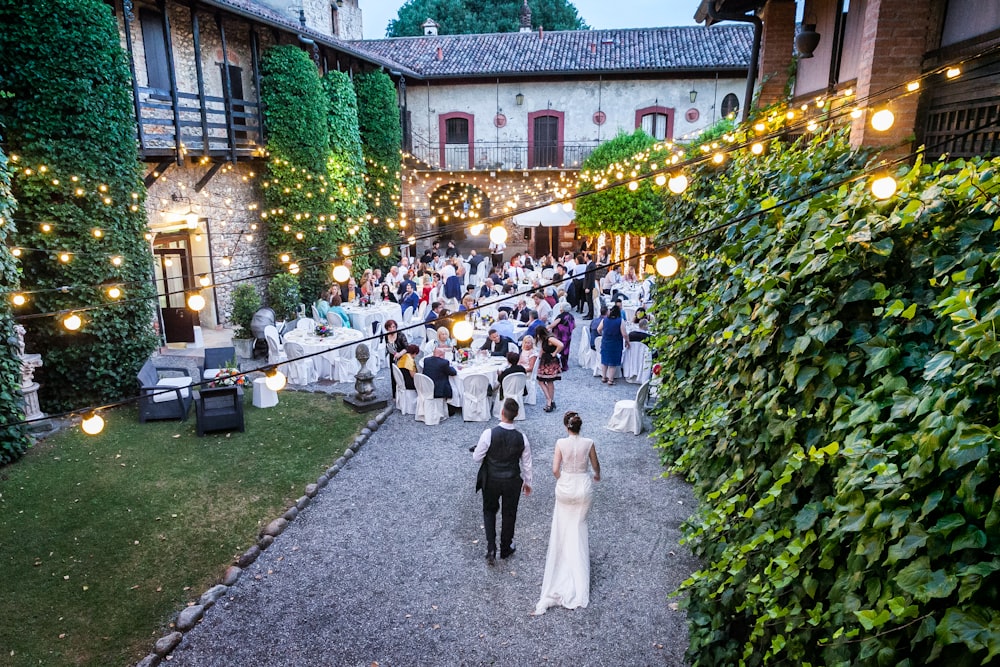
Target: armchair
{"x":217,"y":358}
{"x":163,"y":397}
{"x":219,"y":409}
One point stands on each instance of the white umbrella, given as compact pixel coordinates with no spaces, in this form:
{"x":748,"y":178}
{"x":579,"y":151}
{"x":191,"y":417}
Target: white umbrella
{"x":553,"y":215}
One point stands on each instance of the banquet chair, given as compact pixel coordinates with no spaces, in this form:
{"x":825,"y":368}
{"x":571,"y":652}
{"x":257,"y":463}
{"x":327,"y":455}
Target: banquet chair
{"x":334,"y":320}
{"x":306,"y":323}
{"x":302,"y":371}
{"x":597,"y":356}
{"x":547,"y":273}
{"x":628,"y":412}
{"x":431,"y":411}
{"x":636,"y":363}
{"x":532,"y":385}
{"x":475,"y":398}
{"x":421,"y":311}
{"x":513,"y":387}
{"x":407,"y":315}
{"x":217,"y":359}
{"x":315,"y":313}
{"x":481,"y":272}
{"x":406,"y":399}
{"x":163,"y":397}
{"x":274,"y":353}
{"x":586,"y":356}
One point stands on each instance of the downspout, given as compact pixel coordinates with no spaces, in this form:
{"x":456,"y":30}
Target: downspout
{"x":758,"y":29}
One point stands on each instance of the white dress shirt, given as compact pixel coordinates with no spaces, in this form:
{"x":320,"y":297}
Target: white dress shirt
{"x":486,"y":439}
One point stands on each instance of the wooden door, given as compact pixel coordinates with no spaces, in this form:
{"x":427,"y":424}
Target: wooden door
{"x":173,"y":279}
{"x":545,"y":152}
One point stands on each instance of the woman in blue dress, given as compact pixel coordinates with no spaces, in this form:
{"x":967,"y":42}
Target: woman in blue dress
{"x":614,"y":340}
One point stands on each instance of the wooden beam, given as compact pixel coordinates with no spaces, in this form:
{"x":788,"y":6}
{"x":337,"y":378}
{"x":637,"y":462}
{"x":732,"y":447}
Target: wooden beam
{"x":162,"y":6}
{"x":227,"y":90}
{"x":158,"y":171}
{"x":196,"y":32}
{"x":255,"y":64}
{"x":126,"y":19}
{"x":213,"y":170}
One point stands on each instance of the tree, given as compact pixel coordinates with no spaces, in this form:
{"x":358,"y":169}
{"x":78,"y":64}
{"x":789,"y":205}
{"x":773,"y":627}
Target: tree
{"x":465,"y":17}
{"x":70,"y":122}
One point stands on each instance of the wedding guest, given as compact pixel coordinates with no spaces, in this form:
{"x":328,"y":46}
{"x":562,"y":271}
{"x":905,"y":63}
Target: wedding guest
{"x":513,"y":366}
{"x":614,"y":337}
{"x":549,"y":366}
{"x":335,"y":307}
{"x":408,"y":364}
{"x":386,"y":294}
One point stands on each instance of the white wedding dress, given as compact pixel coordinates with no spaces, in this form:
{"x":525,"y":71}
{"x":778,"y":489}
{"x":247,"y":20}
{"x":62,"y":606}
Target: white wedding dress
{"x":567,"y":563}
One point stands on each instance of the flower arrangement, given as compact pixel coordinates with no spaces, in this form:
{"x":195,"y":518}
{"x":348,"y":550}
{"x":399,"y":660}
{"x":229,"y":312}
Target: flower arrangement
{"x":228,"y":376}
{"x":323,"y":330}
{"x":463,"y":355}
{"x":365,"y":300}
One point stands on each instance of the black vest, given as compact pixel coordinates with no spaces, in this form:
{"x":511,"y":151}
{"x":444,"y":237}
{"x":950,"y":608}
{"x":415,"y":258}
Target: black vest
{"x":503,"y":459}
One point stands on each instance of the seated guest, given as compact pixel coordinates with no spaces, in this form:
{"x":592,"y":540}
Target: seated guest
{"x":542,"y":307}
{"x":504,"y":326}
{"x":433,"y":313}
{"x":640,"y":314}
{"x":410,"y":298}
{"x":323,"y":306}
{"x":407,"y":363}
{"x":529,"y":354}
{"x":386,"y":294}
{"x":520,"y":312}
{"x":514,"y":361}
{"x":497,"y":345}
{"x":335,"y":308}
{"x":468,"y":303}
{"x":439,"y":370}
{"x":533,"y":323}
{"x":442,"y":339}
{"x":474,"y":261}
{"x":488,"y":290}
{"x":594,"y":324}
{"x":641,"y":334}
{"x":404,"y":280}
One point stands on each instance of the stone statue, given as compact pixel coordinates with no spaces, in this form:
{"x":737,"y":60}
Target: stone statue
{"x":364,"y":381}
{"x":29,"y":388}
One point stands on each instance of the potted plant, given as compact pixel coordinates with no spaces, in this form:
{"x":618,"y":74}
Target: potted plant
{"x":284,"y":297}
{"x":245,"y":303}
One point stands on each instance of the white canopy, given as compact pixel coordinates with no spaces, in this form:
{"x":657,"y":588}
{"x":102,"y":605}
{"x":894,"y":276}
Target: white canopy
{"x":554,"y":215}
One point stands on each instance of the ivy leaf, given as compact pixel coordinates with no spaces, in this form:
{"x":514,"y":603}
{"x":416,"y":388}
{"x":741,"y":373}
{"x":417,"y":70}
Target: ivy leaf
{"x":883,"y":247}
{"x":938,"y":364}
{"x":906,"y":547}
{"x":804,"y":376}
{"x":859,"y":290}
{"x":869,"y":618}
{"x":921,"y":582}
{"x":826,"y":331}
{"x":970,"y":538}
{"x":968,"y":445}
{"x":971,"y":627}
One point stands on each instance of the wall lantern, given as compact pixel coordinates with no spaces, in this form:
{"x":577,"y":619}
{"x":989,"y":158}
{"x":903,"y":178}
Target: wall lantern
{"x":519,"y":98}
{"x":807,"y":40}
{"x":693,"y":95}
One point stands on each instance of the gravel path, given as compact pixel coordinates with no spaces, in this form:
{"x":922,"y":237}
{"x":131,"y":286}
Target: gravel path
{"x":387,"y":565}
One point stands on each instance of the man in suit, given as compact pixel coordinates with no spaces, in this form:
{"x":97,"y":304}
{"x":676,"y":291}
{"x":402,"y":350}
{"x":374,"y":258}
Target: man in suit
{"x":438,"y":369}
{"x":505,"y":455}
{"x":590,"y":286}
{"x":497,"y":345}
{"x":514,"y":359}
{"x":409,"y":299}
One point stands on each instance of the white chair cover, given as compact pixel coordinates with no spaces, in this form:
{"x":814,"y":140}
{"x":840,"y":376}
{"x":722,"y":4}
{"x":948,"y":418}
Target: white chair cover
{"x":346,"y":368}
{"x":597,"y":356}
{"x":628,"y":413}
{"x":315,"y":313}
{"x":416,"y":335}
{"x":306,"y":323}
{"x":407,"y":315}
{"x":532,"y":386}
{"x":636,"y":363}
{"x":475,"y":398}
{"x":547,"y":273}
{"x":513,"y":387}
{"x":431,"y":411}
{"x":421,"y":311}
{"x":299,"y":372}
{"x":275,"y":355}
{"x":586,"y":356}
{"x":334,"y":320}
{"x":406,"y":399}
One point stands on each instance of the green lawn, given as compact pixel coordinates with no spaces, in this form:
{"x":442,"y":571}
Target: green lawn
{"x":103,"y":538}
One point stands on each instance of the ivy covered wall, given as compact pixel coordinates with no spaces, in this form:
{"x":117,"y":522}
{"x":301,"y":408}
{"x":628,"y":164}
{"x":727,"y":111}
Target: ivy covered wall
{"x":833,"y":396}
{"x":69,"y":121}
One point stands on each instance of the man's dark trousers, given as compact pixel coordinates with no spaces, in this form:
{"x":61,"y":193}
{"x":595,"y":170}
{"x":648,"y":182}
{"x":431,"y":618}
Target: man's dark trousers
{"x":499,"y":493}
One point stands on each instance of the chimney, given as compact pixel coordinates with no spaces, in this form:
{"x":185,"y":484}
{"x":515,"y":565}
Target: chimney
{"x":440,"y":53}
{"x":541,"y":33}
{"x":593,"y":48}
{"x":430,"y":27}
{"x":525,"y":17}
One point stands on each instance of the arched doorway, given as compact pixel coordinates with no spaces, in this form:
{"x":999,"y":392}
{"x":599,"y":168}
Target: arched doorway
{"x":454,"y":206}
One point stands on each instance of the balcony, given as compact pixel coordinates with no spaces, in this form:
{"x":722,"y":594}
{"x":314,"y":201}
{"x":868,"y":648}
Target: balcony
{"x":210,"y":126}
{"x":497,"y":156}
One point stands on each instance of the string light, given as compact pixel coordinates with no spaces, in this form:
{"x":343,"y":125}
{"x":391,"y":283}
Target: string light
{"x":757,"y":148}
{"x":384,"y":251}
{"x":498,"y":234}
{"x":884,"y":187}
{"x":677,"y":184}
{"x":72,"y":322}
{"x":882,"y":120}
{"x":275,"y":380}
{"x":19,"y":299}
{"x":913,"y":86}
{"x":92,"y":423}
{"x":114,"y":292}
{"x":462,"y":330}
{"x":196,"y":302}
{"x":667,"y":266}
{"x":341,"y":273}
{"x":952,"y":72}
{"x":204,"y":280}
{"x":293,"y":269}
{"x":116,"y":260}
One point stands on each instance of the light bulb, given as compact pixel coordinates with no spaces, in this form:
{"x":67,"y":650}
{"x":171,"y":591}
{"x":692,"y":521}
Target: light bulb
{"x":660,"y":179}
{"x":46,"y":228}
{"x":293,"y":269}
{"x":19,"y":299}
{"x":92,"y":424}
{"x":677,"y":184}
{"x":384,"y":251}
{"x":462,"y":330}
{"x":284,"y":258}
{"x":498,"y":234}
{"x":226,"y":261}
{"x":757,"y":148}
{"x":346,"y":251}
{"x":759,"y":127}
{"x":72,"y":322}
{"x":64,"y":257}
{"x":204,"y":280}
{"x":168,"y":262}
{"x":633,"y":186}
{"x":884,"y":187}
{"x":196,"y":302}
{"x":116,"y":261}
{"x":952,"y":72}
{"x":98,"y":233}
{"x":114,"y":292}
{"x":912,"y":86}
{"x":667,"y":266}
{"x":882,"y":120}
{"x":275,"y":380}
{"x":811,"y":126}
{"x":16,"y":252}
{"x":718,"y":158}
{"x":856,"y":113}
{"x":341,"y":273}
{"x":477,"y":229}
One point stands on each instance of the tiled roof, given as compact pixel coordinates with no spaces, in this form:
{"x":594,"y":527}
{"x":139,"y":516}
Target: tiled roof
{"x":682,"y":48}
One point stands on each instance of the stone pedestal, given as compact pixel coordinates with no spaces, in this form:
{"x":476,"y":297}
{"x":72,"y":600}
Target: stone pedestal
{"x":365,"y":400}
{"x":29,"y":391}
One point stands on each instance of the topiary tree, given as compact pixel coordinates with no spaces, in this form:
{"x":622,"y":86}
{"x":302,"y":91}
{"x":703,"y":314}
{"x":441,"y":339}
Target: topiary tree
{"x":619,"y":209}
{"x":381,"y":138}
{"x":70,"y":122}
{"x":13,"y":439}
{"x":458,"y":17}
{"x":283,"y":296}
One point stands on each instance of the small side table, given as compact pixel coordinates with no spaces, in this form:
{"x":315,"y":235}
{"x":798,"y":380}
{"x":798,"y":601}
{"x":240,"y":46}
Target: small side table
{"x":262,"y":396}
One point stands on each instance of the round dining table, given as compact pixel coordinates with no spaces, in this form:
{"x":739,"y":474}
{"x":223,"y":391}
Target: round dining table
{"x":339,"y":365}
{"x":488,"y":366}
{"x":362,"y":317}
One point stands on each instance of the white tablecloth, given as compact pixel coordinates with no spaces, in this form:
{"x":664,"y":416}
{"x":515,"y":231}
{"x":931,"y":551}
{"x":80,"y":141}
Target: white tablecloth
{"x":342,"y":360}
{"x":490,"y":367}
{"x":363,"y":316}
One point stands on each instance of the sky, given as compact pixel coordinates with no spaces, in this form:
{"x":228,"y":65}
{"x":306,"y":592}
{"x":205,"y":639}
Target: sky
{"x":376,"y":14}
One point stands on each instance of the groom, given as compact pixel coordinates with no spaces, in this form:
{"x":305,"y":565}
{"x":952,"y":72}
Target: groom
{"x":507,"y":468}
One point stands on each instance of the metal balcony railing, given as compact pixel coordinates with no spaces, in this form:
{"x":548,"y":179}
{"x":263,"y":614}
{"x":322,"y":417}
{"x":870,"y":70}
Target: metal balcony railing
{"x":501,"y":156}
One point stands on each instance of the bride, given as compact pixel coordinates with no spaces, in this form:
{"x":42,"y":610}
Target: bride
{"x":567,"y":563}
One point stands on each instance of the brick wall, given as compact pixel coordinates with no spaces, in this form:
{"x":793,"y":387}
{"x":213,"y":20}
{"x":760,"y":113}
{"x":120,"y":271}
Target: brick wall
{"x":895,"y":38}
{"x":776,"y":50}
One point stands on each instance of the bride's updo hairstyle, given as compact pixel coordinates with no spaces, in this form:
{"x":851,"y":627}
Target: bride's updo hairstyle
{"x":573,"y":422}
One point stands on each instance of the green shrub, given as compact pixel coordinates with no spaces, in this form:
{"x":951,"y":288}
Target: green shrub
{"x":245,"y":303}
{"x":74,"y":116}
{"x":283,"y":296}
{"x":833,"y":397}
{"x":13,"y":439}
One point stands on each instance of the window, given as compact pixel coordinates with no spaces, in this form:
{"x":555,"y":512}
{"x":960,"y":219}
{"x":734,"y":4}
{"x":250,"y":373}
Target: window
{"x":730,"y":106}
{"x":655,"y":125}
{"x":545,"y":138}
{"x":154,"y":41}
{"x":456,"y":131}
